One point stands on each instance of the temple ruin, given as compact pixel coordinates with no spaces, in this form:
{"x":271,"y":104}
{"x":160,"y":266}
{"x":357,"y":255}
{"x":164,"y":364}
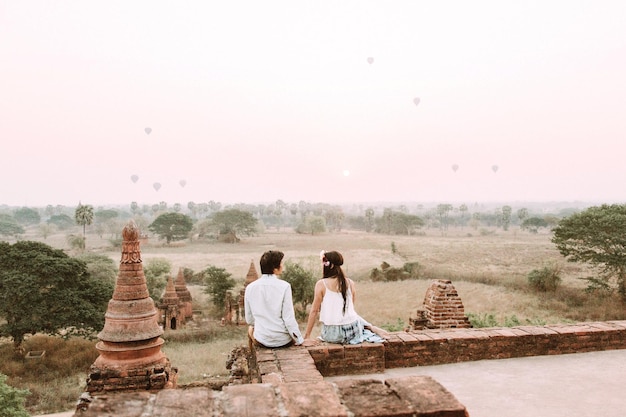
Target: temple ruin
{"x":171,"y":314}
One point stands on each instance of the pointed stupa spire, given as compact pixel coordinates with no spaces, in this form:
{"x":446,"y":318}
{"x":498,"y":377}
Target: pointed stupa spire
{"x":183,"y":293}
{"x":169,"y":296}
{"x":252,"y":275}
{"x":130,"y":343}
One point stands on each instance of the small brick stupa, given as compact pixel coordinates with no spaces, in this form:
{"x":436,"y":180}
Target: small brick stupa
{"x":251,"y":276}
{"x":130,"y":344}
{"x":183,"y":295}
{"x":443,"y":308}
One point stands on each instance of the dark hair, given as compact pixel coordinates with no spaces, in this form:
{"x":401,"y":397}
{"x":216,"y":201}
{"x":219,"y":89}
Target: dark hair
{"x":333,"y":269}
{"x":271,"y":260}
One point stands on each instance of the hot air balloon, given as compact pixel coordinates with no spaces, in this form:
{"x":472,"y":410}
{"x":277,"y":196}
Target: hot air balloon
{"x":148,"y":130}
{"x":416,"y":101}
{"x":494,"y":168}
{"x":455,"y":167}
{"x":134,"y":177}
{"x":182,"y":183}
{"x":156,"y":186}
{"x":370,"y":60}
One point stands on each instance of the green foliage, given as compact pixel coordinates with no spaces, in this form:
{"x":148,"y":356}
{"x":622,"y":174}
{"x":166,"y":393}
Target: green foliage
{"x":312,"y":225}
{"x":302,"y":282}
{"x":218,"y":282}
{"x":398,"y":326}
{"x":62,"y":221}
{"x":106,"y":215}
{"x":397,"y":223}
{"x":482,"y":320}
{"x":533,"y":224}
{"x":233,"y":222}
{"x":506,"y":217}
{"x":410,"y":270}
{"x":9,"y":226}
{"x":99,"y":267}
{"x":12,"y":400}
{"x":489,"y":320}
{"x":156,"y":271}
{"x":27,"y":216}
{"x":172,"y":226}
{"x":44,"y":290}
{"x":545,"y":279}
{"x":76,"y":242}
{"x":596,"y":236}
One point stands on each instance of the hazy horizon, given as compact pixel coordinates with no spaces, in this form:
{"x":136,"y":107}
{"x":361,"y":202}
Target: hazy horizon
{"x":336,"y":102}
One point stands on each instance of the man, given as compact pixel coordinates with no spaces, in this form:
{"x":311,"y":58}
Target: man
{"x":269,"y":306}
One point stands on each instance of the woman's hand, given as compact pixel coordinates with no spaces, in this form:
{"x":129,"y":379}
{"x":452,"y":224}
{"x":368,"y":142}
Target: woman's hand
{"x":310,"y":342}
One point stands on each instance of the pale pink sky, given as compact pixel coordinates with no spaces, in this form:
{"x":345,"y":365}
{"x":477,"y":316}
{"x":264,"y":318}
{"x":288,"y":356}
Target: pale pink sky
{"x":254,"y":101}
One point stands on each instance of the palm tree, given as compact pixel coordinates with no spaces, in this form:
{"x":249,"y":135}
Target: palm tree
{"x":83,"y":215}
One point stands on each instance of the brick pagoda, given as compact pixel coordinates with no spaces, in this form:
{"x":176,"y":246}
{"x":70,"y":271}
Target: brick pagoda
{"x":130,"y":344}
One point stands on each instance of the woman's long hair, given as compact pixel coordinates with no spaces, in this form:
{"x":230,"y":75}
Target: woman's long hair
{"x":332,"y":262}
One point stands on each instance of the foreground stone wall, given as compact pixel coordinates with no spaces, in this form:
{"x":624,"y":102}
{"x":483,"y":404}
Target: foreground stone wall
{"x":417,"y":396}
{"x":434,"y":347}
{"x":291,"y":381}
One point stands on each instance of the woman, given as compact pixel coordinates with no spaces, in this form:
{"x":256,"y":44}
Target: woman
{"x":334,"y":303}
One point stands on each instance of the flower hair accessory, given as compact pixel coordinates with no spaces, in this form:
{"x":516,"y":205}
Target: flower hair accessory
{"x":323,"y":258}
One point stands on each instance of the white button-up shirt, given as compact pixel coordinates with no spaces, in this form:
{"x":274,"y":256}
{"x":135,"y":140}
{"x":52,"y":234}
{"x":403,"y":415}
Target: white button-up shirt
{"x":269,"y":308}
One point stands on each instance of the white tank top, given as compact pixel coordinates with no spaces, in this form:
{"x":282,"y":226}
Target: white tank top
{"x":331,"y":311}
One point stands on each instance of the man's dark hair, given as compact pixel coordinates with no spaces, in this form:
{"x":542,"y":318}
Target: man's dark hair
{"x":271,"y":260}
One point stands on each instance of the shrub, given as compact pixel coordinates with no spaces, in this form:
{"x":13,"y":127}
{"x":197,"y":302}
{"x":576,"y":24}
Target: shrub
{"x":12,"y":400}
{"x":218,"y":281}
{"x":482,"y":320}
{"x":545,"y":279}
{"x":409,"y":270}
{"x":398,"y":326}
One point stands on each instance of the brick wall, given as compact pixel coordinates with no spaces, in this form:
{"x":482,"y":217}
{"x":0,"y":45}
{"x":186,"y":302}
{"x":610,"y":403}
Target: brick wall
{"x":433,"y":347}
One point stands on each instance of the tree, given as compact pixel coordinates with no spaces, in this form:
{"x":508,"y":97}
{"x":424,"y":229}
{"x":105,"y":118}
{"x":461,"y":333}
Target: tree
{"x":506,"y":217}
{"x":232,"y":222}
{"x":442,"y":211}
{"x":463,"y":209}
{"x":218,"y":282}
{"x":83,"y":215}
{"x":522,"y":214}
{"x":369,"y":219}
{"x":397,"y":223}
{"x":27,"y":216}
{"x":100,"y":267}
{"x":533,"y":224}
{"x":12,"y":400}
{"x":596,"y":236}
{"x":62,"y":221}
{"x":44,"y":290}
{"x":9,"y":226}
{"x":172,"y":226}
{"x":302,"y":283}
{"x":312,"y":224}
{"x":156,"y":271}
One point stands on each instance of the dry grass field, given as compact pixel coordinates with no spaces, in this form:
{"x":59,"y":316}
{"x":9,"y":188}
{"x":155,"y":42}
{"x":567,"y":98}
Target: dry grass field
{"x":489,"y":270}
